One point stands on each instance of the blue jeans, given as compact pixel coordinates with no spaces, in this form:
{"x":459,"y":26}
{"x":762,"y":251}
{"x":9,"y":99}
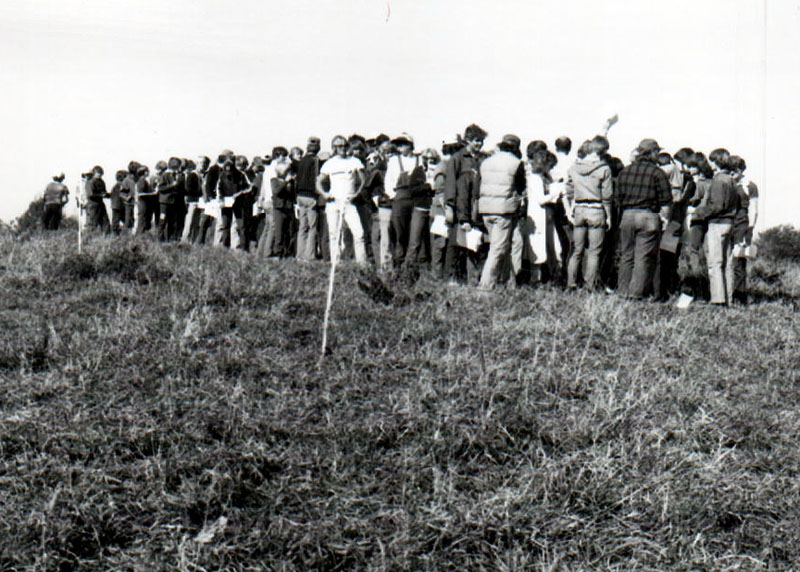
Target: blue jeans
{"x":589,"y":223}
{"x":720,"y":262}
{"x":639,"y":235}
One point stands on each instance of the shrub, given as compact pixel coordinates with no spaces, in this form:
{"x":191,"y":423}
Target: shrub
{"x":780,"y":243}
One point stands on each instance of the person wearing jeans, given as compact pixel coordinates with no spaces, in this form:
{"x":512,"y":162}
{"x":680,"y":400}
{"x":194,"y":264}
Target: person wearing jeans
{"x":645,"y":197}
{"x":308,"y":211}
{"x":502,"y":183}
{"x":589,"y":192}
{"x":719,"y":212}
{"x":639,"y":238}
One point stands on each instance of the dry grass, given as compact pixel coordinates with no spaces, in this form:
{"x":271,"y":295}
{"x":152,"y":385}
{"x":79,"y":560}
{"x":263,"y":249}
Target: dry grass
{"x":165,"y":408}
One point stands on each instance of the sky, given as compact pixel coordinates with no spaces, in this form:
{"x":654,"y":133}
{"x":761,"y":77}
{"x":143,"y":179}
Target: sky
{"x":85,"y":82}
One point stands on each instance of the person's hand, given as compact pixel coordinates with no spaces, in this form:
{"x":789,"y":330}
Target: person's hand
{"x":449,"y":215}
{"x":571,"y":215}
{"x":608,"y":224}
{"x":466,"y":227}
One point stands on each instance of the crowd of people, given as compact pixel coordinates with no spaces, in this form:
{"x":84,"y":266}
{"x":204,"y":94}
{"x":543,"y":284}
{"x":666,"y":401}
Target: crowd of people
{"x":581,"y":220}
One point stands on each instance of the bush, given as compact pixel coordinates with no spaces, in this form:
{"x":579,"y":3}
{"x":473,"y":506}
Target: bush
{"x":780,"y":243}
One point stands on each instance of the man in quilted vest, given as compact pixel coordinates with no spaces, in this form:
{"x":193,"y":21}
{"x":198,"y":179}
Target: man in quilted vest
{"x":502,"y":185}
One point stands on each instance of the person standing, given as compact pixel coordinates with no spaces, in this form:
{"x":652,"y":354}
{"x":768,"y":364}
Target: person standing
{"x":719,"y":211}
{"x":146,"y":201}
{"x":95,"y":207}
{"x":281,"y":184}
{"x":193,"y":191}
{"x":502,"y":184}
{"x":169,"y":185}
{"x":56,"y":195}
{"x":743,"y":223}
{"x":645,"y":199}
{"x":461,"y":197}
{"x":117,"y":204}
{"x":560,"y":235}
{"x":529,"y":241}
{"x":308,"y":209}
{"x":398,"y":186}
{"x":339,"y":182}
{"x":589,"y":190}
{"x":230,"y":183}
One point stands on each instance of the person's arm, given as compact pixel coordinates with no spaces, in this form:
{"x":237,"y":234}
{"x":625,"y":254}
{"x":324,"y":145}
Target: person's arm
{"x":714,"y":203}
{"x":607,"y":194}
{"x":450,"y":190}
{"x":752,"y":207}
{"x":360,"y":179}
{"x":321,"y":178}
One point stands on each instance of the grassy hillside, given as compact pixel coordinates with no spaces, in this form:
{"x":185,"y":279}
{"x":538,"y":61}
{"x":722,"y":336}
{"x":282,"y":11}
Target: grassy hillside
{"x":165,"y":408}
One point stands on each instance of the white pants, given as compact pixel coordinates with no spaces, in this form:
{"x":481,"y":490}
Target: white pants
{"x":345,"y":212}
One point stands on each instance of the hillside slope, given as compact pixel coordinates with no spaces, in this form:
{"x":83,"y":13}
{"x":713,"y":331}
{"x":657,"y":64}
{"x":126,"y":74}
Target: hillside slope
{"x":166,"y":408}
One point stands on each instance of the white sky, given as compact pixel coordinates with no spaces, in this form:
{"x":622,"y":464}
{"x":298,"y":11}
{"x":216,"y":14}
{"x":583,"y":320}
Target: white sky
{"x":87,"y":82}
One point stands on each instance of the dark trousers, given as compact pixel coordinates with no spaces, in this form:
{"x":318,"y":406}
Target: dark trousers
{"x":117,"y":218}
{"x":168,"y":215}
{"x":97,"y":215}
{"x":461,"y":264}
{"x":282,"y":238}
{"x":148,"y":213}
{"x":129,"y":221}
{"x":51,"y":218}
{"x":639,"y":234}
{"x":402,"y":212}
{"x":419,"y":243}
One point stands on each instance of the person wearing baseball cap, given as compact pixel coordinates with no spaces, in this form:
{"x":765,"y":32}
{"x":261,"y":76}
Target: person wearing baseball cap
{"x":645,"y":197}
{"x":502,"y":184}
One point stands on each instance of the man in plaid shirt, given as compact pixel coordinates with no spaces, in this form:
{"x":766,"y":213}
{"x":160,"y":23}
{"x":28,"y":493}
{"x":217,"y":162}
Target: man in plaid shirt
{"x":644,"y":194}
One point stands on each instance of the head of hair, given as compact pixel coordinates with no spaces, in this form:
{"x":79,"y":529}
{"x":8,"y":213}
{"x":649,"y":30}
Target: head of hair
{"x":684,"y":154}
{"x":663,"y":158}
{"x":474,"y":132}
{"x":552,"y":160}
{"x":338,"y":139}
{"x":174,"y":163}
{"x":534,"y":147}
{"x":540,"y":163}
{"x":204,"y":161}
{"x":452,"y":148}
{"x":133,"y":166}
{"x":356,"y":138}
{"x":584,"y":149}
{"x":737,"y":163}
{"x":615,"y":164}
{"x":58,"y":178}
{"x":700,"y":162}
{"x":279,"y":152}
{"x":720,"y":157}
{"x":599,"y":145}
{"x":120,"y":175}
{"x":97,"y":169}
{"x":564,"y":144}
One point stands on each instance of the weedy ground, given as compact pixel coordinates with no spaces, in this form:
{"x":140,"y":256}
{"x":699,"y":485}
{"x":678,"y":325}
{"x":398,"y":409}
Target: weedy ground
{"x":166,"y":408}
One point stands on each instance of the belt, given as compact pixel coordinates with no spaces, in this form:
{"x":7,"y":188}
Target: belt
{"x":589,"y":204}
{"x":645,"y":209}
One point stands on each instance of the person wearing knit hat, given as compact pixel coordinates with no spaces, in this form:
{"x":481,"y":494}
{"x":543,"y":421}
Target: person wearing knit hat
{"x":56,"y":195}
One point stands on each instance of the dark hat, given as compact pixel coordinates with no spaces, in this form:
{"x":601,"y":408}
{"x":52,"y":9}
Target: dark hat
{"x":403,"y":139}
{"x":313,"y":141}
{"x":511,"y":140}
{"x":59,"y":177}
{"x":648,"y":146}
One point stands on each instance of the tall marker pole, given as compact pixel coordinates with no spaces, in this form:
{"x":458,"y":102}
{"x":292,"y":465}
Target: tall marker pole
{"x":329,"y":300}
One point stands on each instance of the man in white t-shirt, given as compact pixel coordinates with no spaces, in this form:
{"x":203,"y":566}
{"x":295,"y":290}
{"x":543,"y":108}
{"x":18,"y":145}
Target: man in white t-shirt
{"x":339,"y":182}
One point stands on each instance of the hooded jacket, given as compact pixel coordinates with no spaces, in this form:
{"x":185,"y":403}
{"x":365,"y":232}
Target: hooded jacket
{"x":589,"y":183}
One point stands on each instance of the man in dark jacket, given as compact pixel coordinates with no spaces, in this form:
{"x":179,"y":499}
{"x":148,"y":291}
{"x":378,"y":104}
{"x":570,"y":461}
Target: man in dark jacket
{"x":308,"y":207}
{"x":230,"y":184}
{"x":461,"y":206}
{"x":170,"y":198}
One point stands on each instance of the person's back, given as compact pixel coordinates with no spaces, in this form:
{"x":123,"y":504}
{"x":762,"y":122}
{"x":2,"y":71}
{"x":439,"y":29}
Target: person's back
{"x":55,"y":197}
